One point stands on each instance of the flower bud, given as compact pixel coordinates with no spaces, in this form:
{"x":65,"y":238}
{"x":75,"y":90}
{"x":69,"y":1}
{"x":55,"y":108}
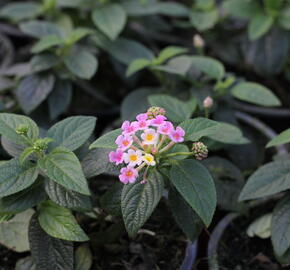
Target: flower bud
{"x":152,"y":112}
{"x":208,"y":102}
{"x":199,"y":150}
{"x":22,"y":130}
{"x":41,"y":144}
{"x":198,"y":41}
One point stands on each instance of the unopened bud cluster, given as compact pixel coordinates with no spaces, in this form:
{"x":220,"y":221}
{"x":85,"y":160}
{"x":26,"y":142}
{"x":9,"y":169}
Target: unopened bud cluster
{"x":41,"y":144}
{"x":199,"y":150}
{"x":153,"y":112}
{"x":22,"y":130}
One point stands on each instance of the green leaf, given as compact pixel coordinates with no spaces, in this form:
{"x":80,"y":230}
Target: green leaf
{"x":81,"y":63}
{"x":59,"y":222}
{"x":20,"y":11}
{"x":26,"y":263}
{"x":60,"y":98}
{"x":13,"y":233}
{"x":196,"y":186}
{"x":67,"y":198}
{"x":83,"y":258}
{"x":255,"y":93}
{"x":78,"y":34}
{"x":185,"y":217}
{"x":176,"y":110}
{"x":269,"y":179}
{"x":204,"y":20}
{"x":16,"y":177}
{"x":25,"y":154}
{"x":107,"y":140}
{"x":72,"y":132}
{"x":46,"y":43}
{"x":228,"y":134}
{"x":172,"y":9}
{"x":5,"y":217}
{"x":49,"y":252}
{"x":33,"y":90}
{"x":282,"y":138}
{"x":23,"y":200}
{"x":273,"y":5}
{"x":13,"y":149}
{"x":259,"y":26}
{"x":284,"y":18}
{"x":139,"y":200}
{"x":39,"y":29}
{"x":280,"y":230}
{"x":63,"y":167}
{"x":168,"y":53}
{"x":110,"y":19}
{"x":241,"y":8}
{"x":199,"y":127}
{"x":261,"y":227}
{"x":10,"y":122}
{"x":43,"y":62}
{"x":137,"y":65}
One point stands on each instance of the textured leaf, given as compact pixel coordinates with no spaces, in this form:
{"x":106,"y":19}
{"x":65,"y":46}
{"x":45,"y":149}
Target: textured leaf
{"x":81,"y":63}
{"x":176,"y":110}
{"x":39,"y":29}
{"x":282,"y":138}
{"x":23,"y":200}
{"x":14,"y":233}
{"x":199,"y":127}
{"x":269,"y":179}
{"x":72,"y":132}
{"x":196,"y":186}
{"x":26,"y":263}
{"x":110,"y":19}
{"x":33,"y":90}
{"x":67,"y":198}
{"x":43,"y":62}
{"x":63,"y":167}
{"x":185,"y":217}
{"x":60,"y":98}
{"x":107,"y":140}
{"x":139,"y":200}
{"x":280,"y":226}
{"x":59,"y":222}
{"x":259,"y":26}
{"x":46,"y":43}
{"x":255,"y":93}
{"x":49,"y":252}
{"x":83,"y":258}
{"x":16,"y":177}
{"x":137,"y":65}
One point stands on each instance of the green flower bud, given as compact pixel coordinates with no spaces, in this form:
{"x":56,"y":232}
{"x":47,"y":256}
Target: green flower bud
{"x":22,"y":130}
{"x":41,"y":144}
{"x":152,"y":112}
{"x":199,"y":150}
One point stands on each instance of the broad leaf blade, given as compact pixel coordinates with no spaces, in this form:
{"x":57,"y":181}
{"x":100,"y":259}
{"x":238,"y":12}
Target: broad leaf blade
{"x":107,"y":140}
{"x":282,"y":138}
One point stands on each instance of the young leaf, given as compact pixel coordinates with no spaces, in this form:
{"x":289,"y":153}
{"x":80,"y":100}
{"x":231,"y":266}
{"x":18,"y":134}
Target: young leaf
{"x":137,"y":65}
{"x":59,"y":222}
{"x":139,"y":200}
{"x":81,"y":63}
{"x":43,"y":62}
{"x":269,"y":179}
{"x":49,"y":252}
{"x":10,"y":122}
{"x":16,"y":177}
{"x":184,"y":216}
{"x":199,"y":127}
{"x":72,"y":132}
{"x":13,"y":233}
{"x":67,"y":198}
{"x":83,"y":258}
{"x":25,"y":154}
{"x":39,"y":29}
{"x":110,"y":19}
{"x":168,"y":53}
{"x":176,"y":110}
{"x":204,"y":20}
{"x":255,"y":93}
{"x":23,"y":200}
{"x":282,"y":138}
{"x":107,"y":140}
{"x":78,"y":34}
{"x":259,"y":26}
{"x":33,"y":90}
{"x":46,"y":43}
{"x":280,"y":231}
{"x":196,"y":186}
{"x":63,"y":167}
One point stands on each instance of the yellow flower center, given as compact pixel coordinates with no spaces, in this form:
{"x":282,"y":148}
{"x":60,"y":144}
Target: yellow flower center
{"x":149,"y":158}
{"x":129,"y":173}
{"x":133,"y":157}
{"x":149,"y":137}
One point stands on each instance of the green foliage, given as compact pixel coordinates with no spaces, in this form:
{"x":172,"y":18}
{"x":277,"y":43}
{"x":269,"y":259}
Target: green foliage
{"x":107,"y":140}
{"x":282,"y":138}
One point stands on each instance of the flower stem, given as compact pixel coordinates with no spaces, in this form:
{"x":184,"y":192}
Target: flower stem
{"x":167,"y":147}
{"x":136,"y":139}
{"x":161,"y":141}
{"x":179,"y":154}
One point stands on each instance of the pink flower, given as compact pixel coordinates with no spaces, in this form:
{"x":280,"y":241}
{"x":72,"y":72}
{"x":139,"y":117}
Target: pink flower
{"x":133,"y":157}
{"x":117,"y":156}
{"x":142,"y":117}
{"x":128,"y":175}
{"x":142,"y":122}
{"x":159,"y":120}
{"x":128,"y":128}
{"x":166,"y":128}
{"x":124,"y":141}
{"x":177,"y":135}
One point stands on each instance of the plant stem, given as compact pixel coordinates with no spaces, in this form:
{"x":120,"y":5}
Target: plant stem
{"x":179,"y":154}
{"x":167,"y":147}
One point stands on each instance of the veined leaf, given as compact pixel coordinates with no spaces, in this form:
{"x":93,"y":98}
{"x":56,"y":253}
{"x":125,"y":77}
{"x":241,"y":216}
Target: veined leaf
{"x":107,"y":140}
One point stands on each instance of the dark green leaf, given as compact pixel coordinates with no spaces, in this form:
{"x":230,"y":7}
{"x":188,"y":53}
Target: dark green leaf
{"x":46,"y":43}
{"x":43,"y":62}
{"x":39,"y":29}
{"x":83,"y":258}
{"x":282,"y":138}
{"x":107,"y":140}
{"x":259,"y":25}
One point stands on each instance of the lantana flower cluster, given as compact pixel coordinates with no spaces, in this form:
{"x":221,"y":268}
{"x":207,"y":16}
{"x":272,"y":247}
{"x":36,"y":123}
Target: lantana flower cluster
{"x":142,"y":142}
